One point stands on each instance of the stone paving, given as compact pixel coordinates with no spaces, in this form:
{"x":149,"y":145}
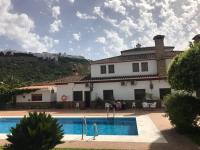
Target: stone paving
{"x":175,"y":140}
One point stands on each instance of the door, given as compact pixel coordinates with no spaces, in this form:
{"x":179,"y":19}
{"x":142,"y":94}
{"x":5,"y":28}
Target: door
{"x":139,"y":97}
{"x":140,"y":94}
{"x":87,"y":99}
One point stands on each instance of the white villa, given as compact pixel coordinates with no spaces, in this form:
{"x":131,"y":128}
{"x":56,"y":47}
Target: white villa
{"x":137,"y":74}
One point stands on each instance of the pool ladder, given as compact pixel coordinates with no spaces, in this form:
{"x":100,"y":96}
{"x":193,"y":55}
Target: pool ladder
{"x":108,"y":112}
{"x":95,"y":131}
{"x":84,"y":127}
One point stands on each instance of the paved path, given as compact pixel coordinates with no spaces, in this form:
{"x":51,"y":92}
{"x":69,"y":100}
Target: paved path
{"x":175,"y":140}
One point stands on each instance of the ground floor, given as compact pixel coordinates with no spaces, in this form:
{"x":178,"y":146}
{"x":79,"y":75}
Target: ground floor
{"x":87,"y":94}
{"x":174,"y":141}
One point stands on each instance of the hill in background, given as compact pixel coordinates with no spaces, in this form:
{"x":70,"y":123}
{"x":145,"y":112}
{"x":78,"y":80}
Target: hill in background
{"x":29,"y":69}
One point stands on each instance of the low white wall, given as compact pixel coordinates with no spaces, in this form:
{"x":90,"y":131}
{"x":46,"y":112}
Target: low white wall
{"x":46,"y":96}
{"x":127,"y":92}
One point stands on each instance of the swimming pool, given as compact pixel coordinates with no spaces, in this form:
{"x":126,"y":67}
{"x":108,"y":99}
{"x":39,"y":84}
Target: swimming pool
{"x":105,"y":126}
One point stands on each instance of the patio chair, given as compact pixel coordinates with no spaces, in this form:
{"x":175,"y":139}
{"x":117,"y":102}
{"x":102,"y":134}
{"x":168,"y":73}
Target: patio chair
{"x":153,"y":105}
{"x":145,"y":105}
{"x":133,"y":105}
{"x":77,"y":105}
{"x":107,"y":106}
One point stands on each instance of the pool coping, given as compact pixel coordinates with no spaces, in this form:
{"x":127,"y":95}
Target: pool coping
{"x":147,"y":131}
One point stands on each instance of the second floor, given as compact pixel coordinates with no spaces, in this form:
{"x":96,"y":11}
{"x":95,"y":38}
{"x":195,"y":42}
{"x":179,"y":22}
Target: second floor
{"x":131,"y":68}
{"x":137,"y":61}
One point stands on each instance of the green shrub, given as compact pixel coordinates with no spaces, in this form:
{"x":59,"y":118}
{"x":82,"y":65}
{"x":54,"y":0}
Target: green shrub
{"x":39,"y":131}
{"x":182,"y":110}
{"x":99,"y":103}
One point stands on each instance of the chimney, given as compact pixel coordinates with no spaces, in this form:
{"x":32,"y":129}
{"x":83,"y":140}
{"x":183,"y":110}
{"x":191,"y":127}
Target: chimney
{"x":160,"y":52}
{"x":75,"y":70}
{"x":196,"y":38}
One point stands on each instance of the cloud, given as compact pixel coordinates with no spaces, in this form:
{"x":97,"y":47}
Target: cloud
{"x":115,"y":43}
{"x":84,"y":16}
{"x":55,"y":26}
{"x":97,"y":11}
{"x":19,"y":28}
{"x":101,"y":40}
{"x":115,"y":5}
{"x":77,"y":36}
{"x":71,"y":1}
{"x":55,"y":11}
{"x":57,"y":23}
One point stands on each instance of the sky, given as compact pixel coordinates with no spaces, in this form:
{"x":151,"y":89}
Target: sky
{"x":96,"y":29}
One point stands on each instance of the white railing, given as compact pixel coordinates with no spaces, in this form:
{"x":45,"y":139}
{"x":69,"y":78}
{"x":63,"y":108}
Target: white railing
{"x":84,"y":127}
{"x":95,"y":131}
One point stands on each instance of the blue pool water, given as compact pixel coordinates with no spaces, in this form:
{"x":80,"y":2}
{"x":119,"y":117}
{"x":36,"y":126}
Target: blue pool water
{"x":105,"y":126}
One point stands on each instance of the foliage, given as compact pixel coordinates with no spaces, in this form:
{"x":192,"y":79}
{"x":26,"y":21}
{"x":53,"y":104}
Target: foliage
{"x":8,"y":91}
{"x":182,"y":110}
{"x":184,"y":72}
{"x":29,"y":69}
{"x":99,"y":103}
{"x":39,"y":131}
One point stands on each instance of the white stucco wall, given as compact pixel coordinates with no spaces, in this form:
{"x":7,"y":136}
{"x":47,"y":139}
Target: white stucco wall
{"x":124,"y":69}
{"x":168,"y":62}
{"x":68,"y":89}
{"x":127,"y":92}
{"x":47,"y":96}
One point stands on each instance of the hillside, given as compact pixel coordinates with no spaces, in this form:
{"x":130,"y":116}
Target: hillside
{"x":30,"y":69}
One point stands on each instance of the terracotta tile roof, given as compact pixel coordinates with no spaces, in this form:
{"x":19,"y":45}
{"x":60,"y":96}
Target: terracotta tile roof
{"x":64,"y":80}
{"x":122,"y":78}
{"x":146,"y":48}
{"x":126,"y":58}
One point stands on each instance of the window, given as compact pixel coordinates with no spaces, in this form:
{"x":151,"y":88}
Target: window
{"x":139,"y":94}
{"x":123,"y":83}
{"x":36,"y":97}
{"x":108,"y":95}
{"x":135,"y":67}
{"x":111,"y":69}
{"x":103,"y":69}
{"x":78,"y":95}
{"x":164,"y":92}
{"x":144,"y":66}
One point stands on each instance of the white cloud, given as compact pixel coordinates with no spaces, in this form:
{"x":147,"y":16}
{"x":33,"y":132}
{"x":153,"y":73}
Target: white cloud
{"x":97,"y":11}
{"x":101,"y":40}
{"x":57,"y":23}
{"x":115,"y":5}
{"x":71,"y":1}
{"x":77,"y":36}
{"x":55,"y":11}
{"x":115,"y":44}
{"x":84,"y":16}
{"x":55,"y":26}
{"x":19,"y":28}
{"x":50,"y":42}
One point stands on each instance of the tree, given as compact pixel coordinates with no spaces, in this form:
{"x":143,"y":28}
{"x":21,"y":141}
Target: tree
{"x":38,"y":131}
{"x":184,"y":72}
{"x":183,"y":111}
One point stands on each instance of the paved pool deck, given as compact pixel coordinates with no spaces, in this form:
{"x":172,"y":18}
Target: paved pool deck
{"x":174,"y":140}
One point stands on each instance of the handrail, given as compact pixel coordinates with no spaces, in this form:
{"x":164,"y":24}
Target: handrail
{"x":114,"y":112}
{"x":107,"y":111}
{"x":84,"y":124}
{"x":95,"y":131}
